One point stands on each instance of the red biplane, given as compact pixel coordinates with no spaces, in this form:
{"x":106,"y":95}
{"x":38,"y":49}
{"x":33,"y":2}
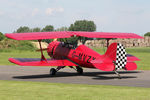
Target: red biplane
{"x":62,"y":54}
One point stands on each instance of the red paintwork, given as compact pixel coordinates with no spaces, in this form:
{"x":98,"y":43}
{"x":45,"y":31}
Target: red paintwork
{"x":81,"y":56}
{"x":52,"y":35}
{"x":131,"y":66}
{"x":37,"y":35}
{"x":106,"y":35}
{"x":49,"y":62}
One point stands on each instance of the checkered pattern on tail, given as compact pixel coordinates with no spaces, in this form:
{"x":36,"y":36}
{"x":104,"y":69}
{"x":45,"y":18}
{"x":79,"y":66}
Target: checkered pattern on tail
{"x":121,"y":57}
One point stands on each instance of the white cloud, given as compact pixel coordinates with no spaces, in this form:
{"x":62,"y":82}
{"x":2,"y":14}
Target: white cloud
{"x":35,"y":11}
{"x":51,"y":11}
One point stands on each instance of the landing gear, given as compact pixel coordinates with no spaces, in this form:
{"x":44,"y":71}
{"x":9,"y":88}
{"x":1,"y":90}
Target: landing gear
{"x":53,"y":71}
{"x":118,"y":74}
{"x":79,"y":70}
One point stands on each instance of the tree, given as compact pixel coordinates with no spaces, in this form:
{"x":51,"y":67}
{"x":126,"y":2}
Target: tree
{"x":62,"y":29}
{"x":23,"y":29}
{"x":48,"y":28}
{"x":1,"y":36}
{"x":83,"y":25}
{"x":147,"y":34}
{"x":37,"y":29}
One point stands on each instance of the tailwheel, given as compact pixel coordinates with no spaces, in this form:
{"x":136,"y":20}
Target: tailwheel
{"x":79,"y":70}
{"x":53,"y":71}
{"x":118,"y":74}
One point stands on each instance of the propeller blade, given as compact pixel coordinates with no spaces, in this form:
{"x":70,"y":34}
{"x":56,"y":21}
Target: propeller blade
{"x":55,"y":39}
{"x":42,"y":49}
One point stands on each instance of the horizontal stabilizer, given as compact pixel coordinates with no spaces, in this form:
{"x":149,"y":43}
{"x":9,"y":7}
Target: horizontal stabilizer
{"x":103,"y":66}
{"x":131,"y":58}
{"x":110,"y":66}
{"x":38,"y":62}
{"x":131,"y":66}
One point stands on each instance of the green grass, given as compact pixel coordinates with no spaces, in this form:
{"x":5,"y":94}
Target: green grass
{"x":142,"y":53}
{"x":18,"y":54}
{"x":16,"y":90}
{"x":7,"y":45}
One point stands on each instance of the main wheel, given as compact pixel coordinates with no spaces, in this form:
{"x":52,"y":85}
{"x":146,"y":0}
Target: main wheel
{"x":79,"y":70}
{"x":53,"y":71}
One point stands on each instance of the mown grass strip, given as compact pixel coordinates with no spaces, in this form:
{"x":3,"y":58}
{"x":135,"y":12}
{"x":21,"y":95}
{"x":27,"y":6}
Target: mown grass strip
{"x":16,"y":90}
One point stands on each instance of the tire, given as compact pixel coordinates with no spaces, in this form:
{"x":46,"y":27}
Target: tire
{"x":53,"y":71}
{"x":79,"y":70}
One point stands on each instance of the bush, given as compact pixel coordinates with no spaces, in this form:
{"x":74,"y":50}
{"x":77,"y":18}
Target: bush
{"x":147,"y":34}
{"x":1,"y":36}
{"x":25,"y":45}
{"x":11,"y":45}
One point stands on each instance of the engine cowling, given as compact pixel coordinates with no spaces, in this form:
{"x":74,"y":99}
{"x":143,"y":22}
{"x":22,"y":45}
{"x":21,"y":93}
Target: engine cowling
{"x":58,"y":50}
{"x":51,"y":48}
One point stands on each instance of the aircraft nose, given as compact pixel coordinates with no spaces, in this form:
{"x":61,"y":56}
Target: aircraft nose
{"x":51,"y":46}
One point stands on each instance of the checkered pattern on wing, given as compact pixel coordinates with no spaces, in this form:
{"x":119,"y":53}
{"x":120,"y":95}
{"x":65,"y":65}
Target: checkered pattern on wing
{"x":121,"y":57}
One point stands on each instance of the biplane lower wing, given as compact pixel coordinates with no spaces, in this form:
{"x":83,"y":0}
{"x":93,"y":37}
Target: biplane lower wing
{"x":38,"y":62}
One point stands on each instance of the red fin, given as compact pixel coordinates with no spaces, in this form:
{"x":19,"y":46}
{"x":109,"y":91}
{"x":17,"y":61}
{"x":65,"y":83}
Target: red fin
{"x":103,"y":66}
{"x":131,"y":66}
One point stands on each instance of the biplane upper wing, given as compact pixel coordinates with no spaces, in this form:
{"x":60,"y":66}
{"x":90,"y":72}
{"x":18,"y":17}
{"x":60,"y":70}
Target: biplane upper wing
{"x":68,"y":34}
{"x":106,"y":35}
{"x":37,"y":35}
{"x":38,"y":62}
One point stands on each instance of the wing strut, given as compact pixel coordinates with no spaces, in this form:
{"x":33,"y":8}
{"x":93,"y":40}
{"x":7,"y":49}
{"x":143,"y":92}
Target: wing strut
{"x":42,"y":55}
{"x":108,"y":41}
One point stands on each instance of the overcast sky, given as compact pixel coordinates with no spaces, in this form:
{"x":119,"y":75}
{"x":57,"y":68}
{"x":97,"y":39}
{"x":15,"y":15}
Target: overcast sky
{"x":108,"y":15}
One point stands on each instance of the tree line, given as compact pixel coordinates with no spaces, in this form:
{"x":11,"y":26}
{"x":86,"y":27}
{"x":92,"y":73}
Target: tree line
{"x":79,"y":25}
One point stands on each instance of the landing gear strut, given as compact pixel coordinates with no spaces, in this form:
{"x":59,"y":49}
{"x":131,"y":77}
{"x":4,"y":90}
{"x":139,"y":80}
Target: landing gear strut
{"x":53,"y":71}
{"x":118,"y":74}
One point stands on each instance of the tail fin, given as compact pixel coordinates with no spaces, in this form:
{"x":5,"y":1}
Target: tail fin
{"x":116,"y":52}
{"x":115,"y":58}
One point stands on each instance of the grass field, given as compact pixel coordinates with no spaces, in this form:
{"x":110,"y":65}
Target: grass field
{"x":18,"y":54}
{"x":15,"y":90}
{"x":142,"y":53}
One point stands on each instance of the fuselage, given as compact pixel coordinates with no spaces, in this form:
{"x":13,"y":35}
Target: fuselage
{"x":81,"y":56}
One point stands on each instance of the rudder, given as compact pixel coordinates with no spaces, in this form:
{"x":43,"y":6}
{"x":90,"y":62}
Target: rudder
{"x":116,"y":52}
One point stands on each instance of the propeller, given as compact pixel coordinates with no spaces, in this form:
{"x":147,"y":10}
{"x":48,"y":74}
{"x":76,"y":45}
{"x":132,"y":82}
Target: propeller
{"x":44,"y":49}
